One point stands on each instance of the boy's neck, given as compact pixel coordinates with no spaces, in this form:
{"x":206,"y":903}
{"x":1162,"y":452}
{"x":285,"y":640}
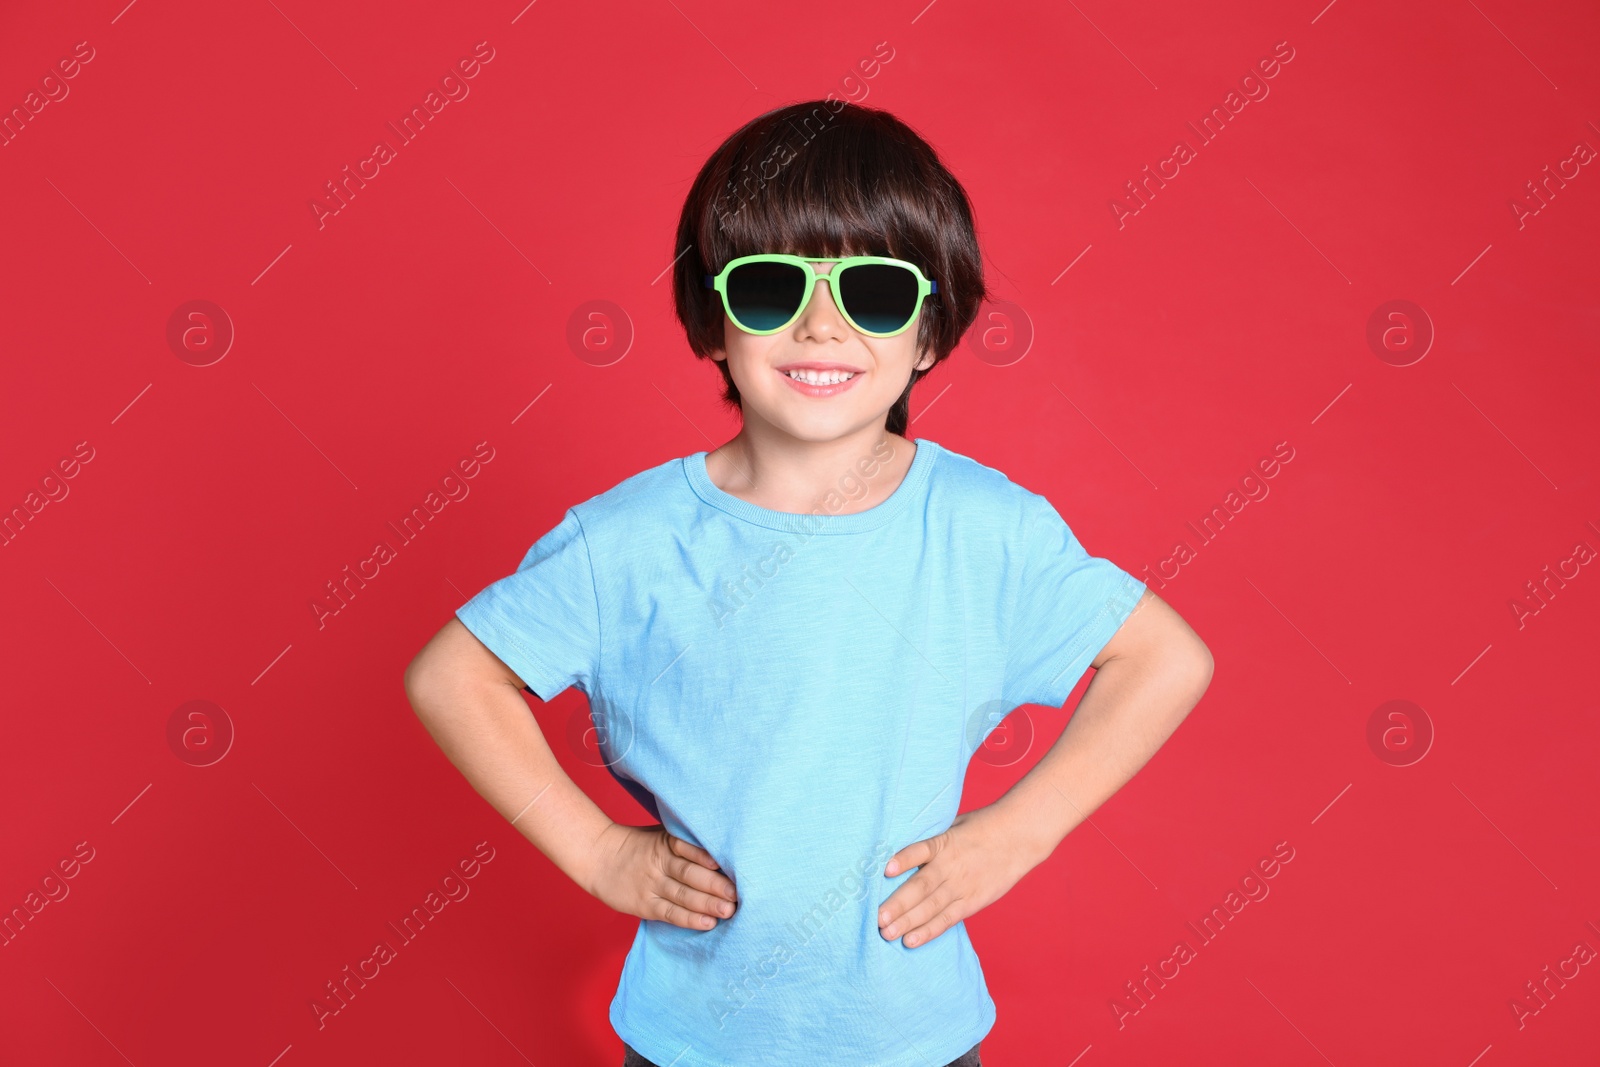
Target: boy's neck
{"x":782,"y":473}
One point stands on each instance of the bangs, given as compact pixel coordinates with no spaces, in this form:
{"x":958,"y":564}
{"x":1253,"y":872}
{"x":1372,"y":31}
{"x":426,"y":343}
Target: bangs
{"x":834,"y":194}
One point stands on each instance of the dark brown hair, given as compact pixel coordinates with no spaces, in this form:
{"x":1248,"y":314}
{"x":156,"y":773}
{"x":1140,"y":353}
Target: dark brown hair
{"x":829,"y":178}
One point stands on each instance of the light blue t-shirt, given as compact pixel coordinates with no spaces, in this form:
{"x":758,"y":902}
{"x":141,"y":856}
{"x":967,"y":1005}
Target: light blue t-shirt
{"x":799,"y":694}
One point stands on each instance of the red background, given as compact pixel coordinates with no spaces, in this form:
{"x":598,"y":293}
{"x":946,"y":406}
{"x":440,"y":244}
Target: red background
{"x":373,"y":352}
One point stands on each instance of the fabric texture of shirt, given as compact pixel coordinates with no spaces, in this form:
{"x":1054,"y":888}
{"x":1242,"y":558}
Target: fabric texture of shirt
{"x":799,"y":695}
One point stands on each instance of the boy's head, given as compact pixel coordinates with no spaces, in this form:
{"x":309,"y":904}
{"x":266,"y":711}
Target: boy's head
{"x":827,"y":178}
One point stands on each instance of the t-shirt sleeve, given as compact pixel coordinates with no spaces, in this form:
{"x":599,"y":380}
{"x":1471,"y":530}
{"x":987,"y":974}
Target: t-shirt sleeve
{"x":543,"y":621}
{"x":1068,"y":605}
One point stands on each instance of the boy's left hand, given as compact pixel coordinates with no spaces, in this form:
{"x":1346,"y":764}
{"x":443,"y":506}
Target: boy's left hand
{"x":963,"y":870}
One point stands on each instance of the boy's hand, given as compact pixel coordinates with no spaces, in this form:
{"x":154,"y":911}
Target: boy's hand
{"x":646,"y":871}
{"x":963,"y":870}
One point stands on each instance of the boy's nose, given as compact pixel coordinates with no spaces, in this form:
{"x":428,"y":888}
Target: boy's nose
{"x":823,"y":310}
{"x":822,"y":319}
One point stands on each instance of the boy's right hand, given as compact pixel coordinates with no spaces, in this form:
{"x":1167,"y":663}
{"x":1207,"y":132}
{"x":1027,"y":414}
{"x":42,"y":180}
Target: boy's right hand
{"x":647,"y":872}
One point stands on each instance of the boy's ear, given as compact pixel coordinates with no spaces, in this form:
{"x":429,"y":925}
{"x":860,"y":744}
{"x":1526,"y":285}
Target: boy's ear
{"x":719,"y":354}
{"x":925,"y":362}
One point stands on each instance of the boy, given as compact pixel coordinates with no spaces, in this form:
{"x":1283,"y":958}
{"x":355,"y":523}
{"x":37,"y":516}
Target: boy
{"x":793,"y":644}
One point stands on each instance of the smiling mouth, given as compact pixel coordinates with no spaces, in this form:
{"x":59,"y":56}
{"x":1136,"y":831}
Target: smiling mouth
{"x":820,"y":377}
{"x":819,"y":383}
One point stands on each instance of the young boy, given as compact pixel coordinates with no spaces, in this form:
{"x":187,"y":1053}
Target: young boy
{"x":792,"y":645}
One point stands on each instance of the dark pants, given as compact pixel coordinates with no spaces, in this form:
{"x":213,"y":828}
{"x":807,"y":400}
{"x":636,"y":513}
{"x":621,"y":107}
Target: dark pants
{"x":631,"y":1058}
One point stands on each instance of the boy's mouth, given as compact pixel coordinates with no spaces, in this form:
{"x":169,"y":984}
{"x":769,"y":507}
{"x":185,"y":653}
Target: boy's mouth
{"x":819,"y":379}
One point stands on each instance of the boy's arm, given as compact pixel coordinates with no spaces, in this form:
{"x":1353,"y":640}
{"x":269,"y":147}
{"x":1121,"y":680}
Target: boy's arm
{"x":1152,"y":671}
{"x":1148,"y":676}
{"x":469,"y":701}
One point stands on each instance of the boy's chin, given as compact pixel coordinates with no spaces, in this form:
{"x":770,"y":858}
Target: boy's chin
{"x":821,"y":429}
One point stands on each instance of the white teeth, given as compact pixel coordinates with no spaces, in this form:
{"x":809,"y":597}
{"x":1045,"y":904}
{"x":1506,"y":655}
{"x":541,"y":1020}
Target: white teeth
{"x":826,"y":377}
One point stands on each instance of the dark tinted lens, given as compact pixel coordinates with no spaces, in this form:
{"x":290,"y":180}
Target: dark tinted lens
{"x":879,"y":296}
{"x":764,"y":296}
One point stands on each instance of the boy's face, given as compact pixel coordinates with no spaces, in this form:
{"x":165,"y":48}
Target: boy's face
{"x":820,"y":339}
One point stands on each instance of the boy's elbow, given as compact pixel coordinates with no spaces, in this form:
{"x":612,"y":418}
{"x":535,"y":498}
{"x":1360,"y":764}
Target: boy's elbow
{"x":419,"y":678}
{"x":1189,"y":653}
{"x":1206,"y":664}
{"x":1200,"y":667}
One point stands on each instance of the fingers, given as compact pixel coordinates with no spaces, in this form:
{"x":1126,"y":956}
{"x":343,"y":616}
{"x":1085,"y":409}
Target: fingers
{"x":690,"y":907}
{"x":696,"y":866}
{"x":931,"y":929}
{"x":693,"y":852}
{"x":892,"y":912}
{"x":712,"y":888}
{"x":680,"y":916}
{"x":911,"y":892}
{"x":924,"y":920}
{"x":913,"y":855}
{"x":712,"y":882}
{"x":685,"y":906}
{"x":693,"y":892}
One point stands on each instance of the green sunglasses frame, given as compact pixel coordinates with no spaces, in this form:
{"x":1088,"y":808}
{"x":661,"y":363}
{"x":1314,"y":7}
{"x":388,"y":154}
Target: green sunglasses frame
{"x":719,"y":283}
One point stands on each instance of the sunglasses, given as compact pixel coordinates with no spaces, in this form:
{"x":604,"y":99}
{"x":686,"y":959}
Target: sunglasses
{"x":878,"y":296}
